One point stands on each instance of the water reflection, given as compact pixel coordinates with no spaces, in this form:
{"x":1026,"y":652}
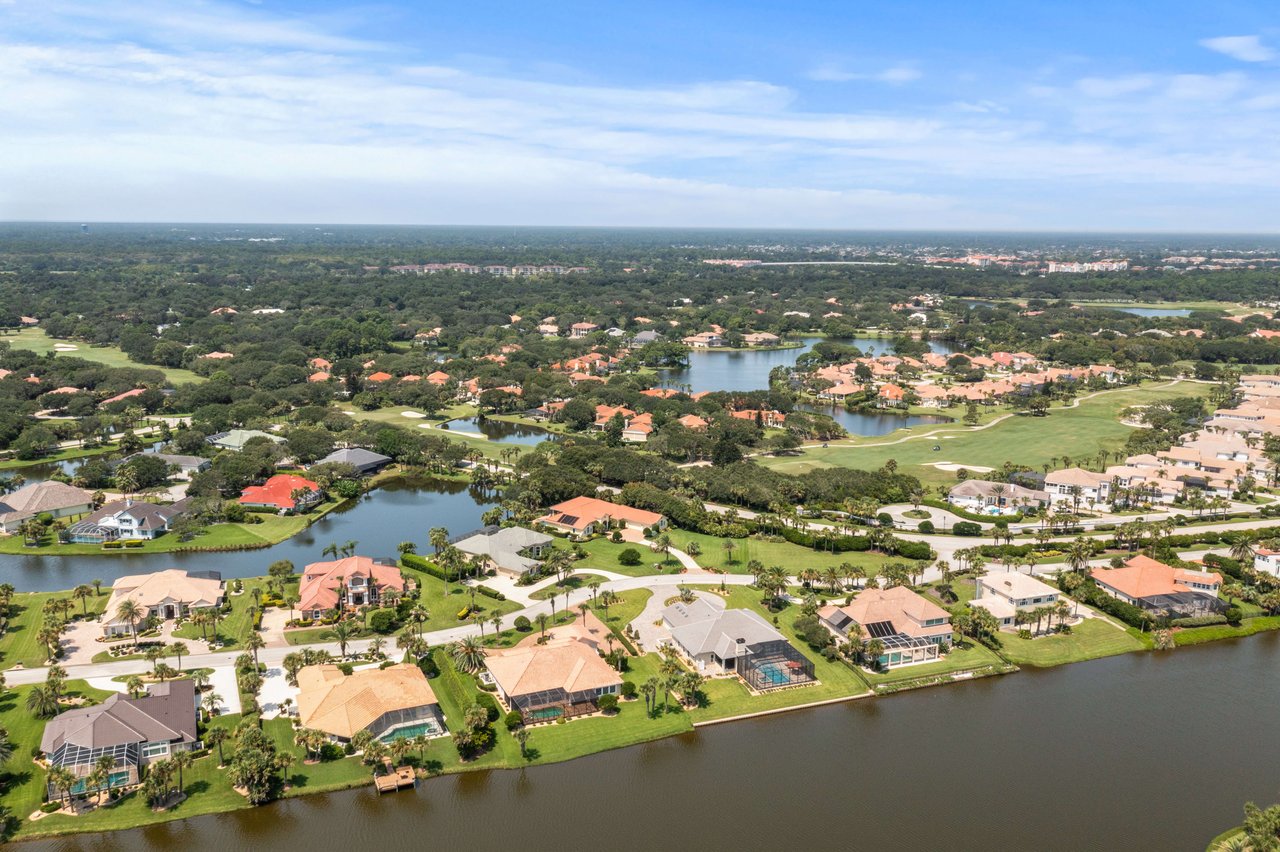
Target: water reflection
{"x":500,"y":431}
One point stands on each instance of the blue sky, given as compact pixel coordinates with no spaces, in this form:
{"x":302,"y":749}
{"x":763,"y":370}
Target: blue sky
{"x":995,"y":115}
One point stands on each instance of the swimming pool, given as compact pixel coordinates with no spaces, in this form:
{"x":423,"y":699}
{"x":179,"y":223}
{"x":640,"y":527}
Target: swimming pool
{"x":410,"y":731}
{"x":775,"y":674}
{"x":116,"y":779}
{"x":546,"y":713}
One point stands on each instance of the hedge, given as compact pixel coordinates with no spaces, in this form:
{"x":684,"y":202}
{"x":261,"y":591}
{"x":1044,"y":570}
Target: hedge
{"x":418,"y":563}
{"x":966,"y":514}
{"x":1090,"y":594}
{"x":1198,"y":621}
{"x":489,"y":703}
{"x":491,"y":593}
{"x":967,"y":528}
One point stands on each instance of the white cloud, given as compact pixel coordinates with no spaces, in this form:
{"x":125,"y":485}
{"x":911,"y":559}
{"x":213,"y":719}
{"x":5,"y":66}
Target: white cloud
{"x":832,"y":72}
{"x":1246,"y":48}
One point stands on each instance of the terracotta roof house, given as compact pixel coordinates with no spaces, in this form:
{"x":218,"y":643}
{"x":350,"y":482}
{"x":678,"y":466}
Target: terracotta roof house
{"x":390,"y":703}
{"x":761,"y":338}
{"x":56,"y":498}
{"x":562,"y":678}
{"x":218,"y":356}
{"x":912,"y":628}
{"x":703,"y":340}
{"x":165,"y":595}
{"x":235,"y":439}
{"x":380,"y":377}
{"x":693,"y":421}
{"x":317,"y":377}
{"x":364,"y":461}
{"x":513,"y":551}
{"x":891,"y":395}
{"x":121,"y":397}
{"x":125,"y":519}
{"x":438,"y":378}
{"x":320,"y":363}
{"x":280,"y":492}
{"x":589,"y":515}
{"x":1267,"y":561}
{"x":716,"y":641}
{"x":133,"y":732}
{"x":1005,"y":593}
{"x":1154,"y":586}
{"x":352,"y":582}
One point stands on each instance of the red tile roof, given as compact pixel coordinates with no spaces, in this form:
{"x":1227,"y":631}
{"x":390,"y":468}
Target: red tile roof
{"x":276,"y":491}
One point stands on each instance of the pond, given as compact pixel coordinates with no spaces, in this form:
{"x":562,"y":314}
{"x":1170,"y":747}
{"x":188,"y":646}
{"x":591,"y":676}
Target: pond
{"x":859,"y":423}
{"x":1155,"y":312}
{"x":500,"y":431}
{"x":712,"y":370}
{"x":1138,"y":752}
{"x":401,"y":510}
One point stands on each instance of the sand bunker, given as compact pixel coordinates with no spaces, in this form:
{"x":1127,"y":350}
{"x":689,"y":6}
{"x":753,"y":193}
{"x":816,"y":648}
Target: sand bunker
{"x":65,"y":347}
{"x":952,"y":466}
{"x":416,"y":415}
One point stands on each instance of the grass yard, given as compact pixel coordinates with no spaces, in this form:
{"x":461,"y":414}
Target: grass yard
{"x":273,"y":530}
{"x":793,"y":557}
{"x":970,"y":657}
{"x":1078,"y":432}
{"x":394,"y":416}
{"x":18,"y":643}
{"x":574,"y":581}
{"x":602,"y":555}
{"x":1089,"y":640}
{"x":35,"y":340}
{"x":236,"y":626}
{"x":1214,"y":632}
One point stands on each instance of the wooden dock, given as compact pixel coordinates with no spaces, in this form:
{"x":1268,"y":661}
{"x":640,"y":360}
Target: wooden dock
{"x":402,"y":777}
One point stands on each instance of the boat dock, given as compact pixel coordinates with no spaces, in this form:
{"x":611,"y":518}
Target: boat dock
{"x":397,"y":780}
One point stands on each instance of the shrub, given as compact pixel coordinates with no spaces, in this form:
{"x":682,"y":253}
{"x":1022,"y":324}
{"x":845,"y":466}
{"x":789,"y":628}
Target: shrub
{"x":346,"y":668}
{"x":629,"y":689}
{"x":607,"y":703}
{"x":513,"y":720}
{"x":427,"y":665}
{"x":489,"y":703}
{"x":926,"y":527}
{"x":491,"y":593}
{"x":966,"y":528}
{"x":1233,"y":614}
{"x":630,"y":556}
{"x":884,"y":519}
{"x":1198,"y":621}
{"x":809,"y":629}
{"x":383,"y":621}
{"x":418,"y":563}
{"x":522,"y":624}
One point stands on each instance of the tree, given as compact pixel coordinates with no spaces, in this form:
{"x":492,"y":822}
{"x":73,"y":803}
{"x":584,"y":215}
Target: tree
{"x":42,"y":702}
{"x":254,"y":642}
{"x":62,"y":780}
{"x":132,"y":612}
{"x":281,"y":570}
{"x":521,"y":736}
{"x":255,"y":765}
{"x":468,"y":655}
{"x":135,"y":687}
{"x":214,"y":738}
{"x":342,"y":633}
{"x":1262,"y":827}
{"x":82,"y":593}
{"x":180,"y":761}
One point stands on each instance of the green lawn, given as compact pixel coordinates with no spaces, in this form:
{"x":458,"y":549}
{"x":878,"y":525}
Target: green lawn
{"x":18,"y":643}
{"x":1212,"y":633}
{"x":970,"y":657}
{"x":1079,"y":432}
{"x":35,"y":340}
{"x":1092,"y":638}
{"x":273,"y":530}
{"x":602,"y":555}
{"x":574,"y":581}
{"x":393,"y":415}
{"x":236,"y":626}
{"x":793,"y":557}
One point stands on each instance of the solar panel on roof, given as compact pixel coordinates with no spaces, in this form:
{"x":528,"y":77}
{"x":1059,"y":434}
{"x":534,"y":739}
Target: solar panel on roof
{"x":880,"y":629}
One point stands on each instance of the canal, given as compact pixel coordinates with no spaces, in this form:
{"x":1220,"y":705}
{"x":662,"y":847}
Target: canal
{"x":1139,"y":752}
{"x":399,"y":510}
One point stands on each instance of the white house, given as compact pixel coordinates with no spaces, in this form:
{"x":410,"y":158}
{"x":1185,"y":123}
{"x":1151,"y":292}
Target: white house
{"x":1005,"y":593}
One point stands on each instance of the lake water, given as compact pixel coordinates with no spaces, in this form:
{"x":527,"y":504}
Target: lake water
{"x":500,"y":431}
{"x":859,"y":423}
{"x":1156,"y":312}
{"x":1140,"y":752}
{"x":378,"y":521}
{"x":712,"y":370}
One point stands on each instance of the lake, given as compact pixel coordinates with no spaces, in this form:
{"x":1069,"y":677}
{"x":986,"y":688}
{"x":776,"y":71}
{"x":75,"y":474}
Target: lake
{"x":1156,"y":312}
{"x":400,"y":510}
{"x":500,"y":431}
{"x":872,"y":425}
{"x":712,"y":370}
{"x":1138,"y":752}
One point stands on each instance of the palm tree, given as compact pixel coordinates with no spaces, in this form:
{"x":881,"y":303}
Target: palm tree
{"x":97,"y":586}
{"x":420,"y":742}
{"x":134,"y":686}
{"x":82,"y":593}
{"x":62,"y":779}
{"x":406,"y":547}
{"x":542,"y":623}
{"x":42,"y":702}
{"x":1078,"y":553}
{"x":342,"y":633}
{"x":180,"y":760}
{"x":1242,"y":550}
{"x":468,"y":655}
{"x":131,"y":611}
{"x":522,"y":738}
{"x":254,"y":641}
{"x":216,"y":737}
{"x":179,"y":650}
{"x":649,"y":689}
{"x":50,"y":637}
{"x":496,"y":621}
{"x":153,"y":655}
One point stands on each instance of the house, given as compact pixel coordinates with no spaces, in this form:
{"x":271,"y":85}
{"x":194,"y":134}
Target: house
{"x":1154,"y":586}
{"x":703,"y":340}
{"x":716,"y":641}
{"x":1075,"y":485}
{"x":891,"y":396}
{"x":978,"y":495}
{"x":365,"y":462}
{"x":184,"y":465}
{"x":134,"y":732}
{"x":562,"y":678}
{"x":911,"y":628}
{"x":761,"y":338}
{"x":125,"y":519}
{"x":1267,"y":561}
{"x":284,"y":492}
{"x":513,"y":551}
{"x":346,"y":583}
{"x":693,"y":421}
{"x":379,"y":377}
{"x":165,"y":595}
{"x":121,"y":397}
{"x":391,"y":703}
{"x":582,"y":329}
{"x":585,"y":516}
{"x":57,"y":499}
{"x":235,"y":439}
{"x":1005,"y":593}
{"x":644,"y":338}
